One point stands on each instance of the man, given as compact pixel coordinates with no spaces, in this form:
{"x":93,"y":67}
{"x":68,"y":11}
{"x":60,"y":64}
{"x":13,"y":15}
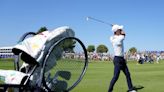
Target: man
{"x":140,"y":59}
{"x":119,"y":61}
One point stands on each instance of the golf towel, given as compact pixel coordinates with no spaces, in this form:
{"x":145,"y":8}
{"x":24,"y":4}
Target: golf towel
{"x":12,"y":76}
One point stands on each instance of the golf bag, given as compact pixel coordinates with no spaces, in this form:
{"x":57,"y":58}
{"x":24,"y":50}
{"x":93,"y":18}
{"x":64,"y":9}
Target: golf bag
{"x":45,"y":66}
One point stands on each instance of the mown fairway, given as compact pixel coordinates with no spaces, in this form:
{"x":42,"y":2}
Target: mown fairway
{"x":99,"y":74}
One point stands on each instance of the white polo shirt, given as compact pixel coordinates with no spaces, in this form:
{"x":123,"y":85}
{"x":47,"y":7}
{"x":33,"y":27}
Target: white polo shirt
{"x":118,"y":46}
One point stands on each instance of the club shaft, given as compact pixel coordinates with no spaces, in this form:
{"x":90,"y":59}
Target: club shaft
{"x":100,"y":21}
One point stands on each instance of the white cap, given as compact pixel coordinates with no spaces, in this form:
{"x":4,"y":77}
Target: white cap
{"x":115,"y":27}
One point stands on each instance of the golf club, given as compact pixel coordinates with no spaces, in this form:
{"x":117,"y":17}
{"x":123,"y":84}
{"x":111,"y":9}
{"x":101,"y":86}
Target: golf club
{"x":91,"y":18}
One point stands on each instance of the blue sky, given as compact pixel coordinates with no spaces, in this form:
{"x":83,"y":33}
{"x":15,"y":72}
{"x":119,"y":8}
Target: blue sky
{"x":142,"y":19}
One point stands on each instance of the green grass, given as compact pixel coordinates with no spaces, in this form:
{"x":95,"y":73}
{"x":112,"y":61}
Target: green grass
{"x":99,"y":74}
{"x":7,"y":65}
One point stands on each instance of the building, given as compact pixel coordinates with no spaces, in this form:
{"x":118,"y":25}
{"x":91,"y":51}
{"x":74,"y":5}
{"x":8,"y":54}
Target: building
{"x":6,"y":52}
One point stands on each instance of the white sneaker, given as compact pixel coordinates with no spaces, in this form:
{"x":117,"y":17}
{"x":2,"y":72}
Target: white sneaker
{"x":133,"y":91}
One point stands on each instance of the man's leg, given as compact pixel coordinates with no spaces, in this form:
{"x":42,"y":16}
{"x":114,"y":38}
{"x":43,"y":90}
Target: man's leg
{"x":128,"y":78}
{"x":115,"y":77}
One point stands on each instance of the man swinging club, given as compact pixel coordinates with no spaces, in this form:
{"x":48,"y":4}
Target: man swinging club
{"x":119,"y":61}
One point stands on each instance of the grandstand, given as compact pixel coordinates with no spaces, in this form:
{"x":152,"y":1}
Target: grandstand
{"x":6,"y":52}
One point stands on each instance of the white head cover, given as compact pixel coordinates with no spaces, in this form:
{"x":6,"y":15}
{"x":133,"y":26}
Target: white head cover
{"x":115,"y":27}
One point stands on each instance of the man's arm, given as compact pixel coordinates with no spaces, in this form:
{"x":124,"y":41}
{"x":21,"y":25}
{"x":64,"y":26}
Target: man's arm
{"x":123,"y":33}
